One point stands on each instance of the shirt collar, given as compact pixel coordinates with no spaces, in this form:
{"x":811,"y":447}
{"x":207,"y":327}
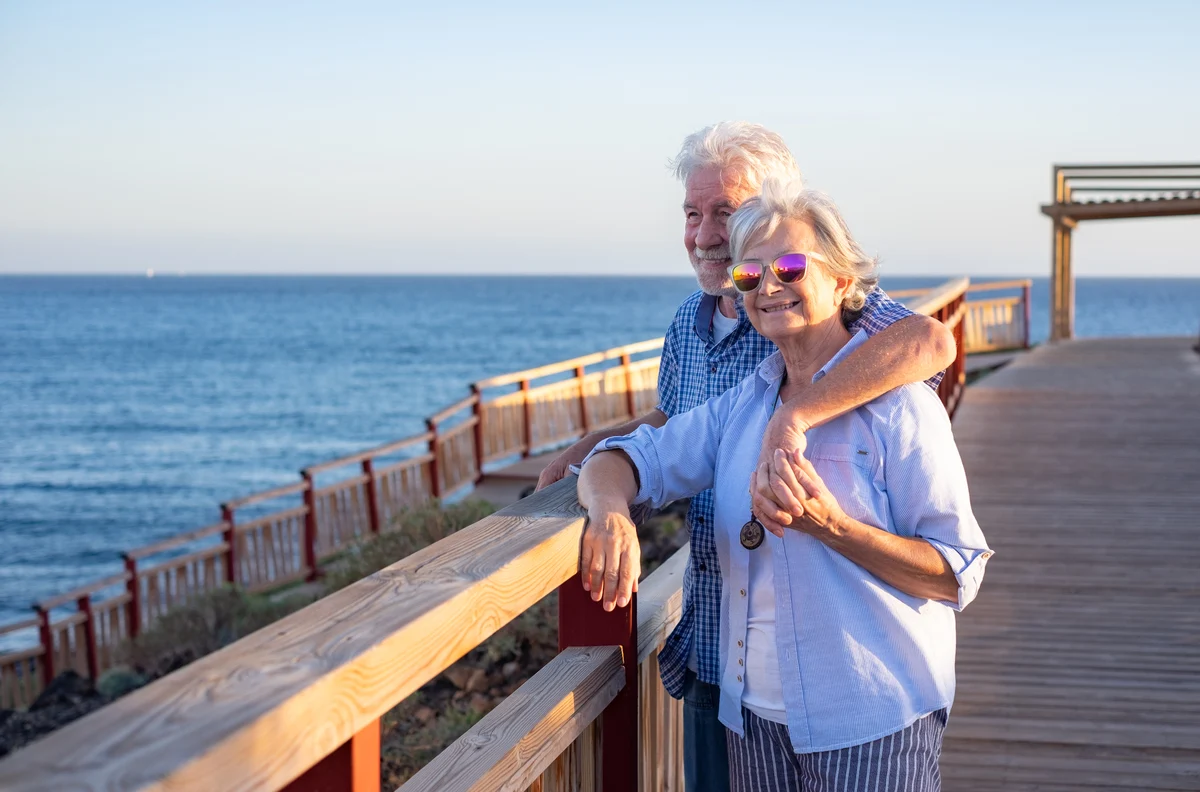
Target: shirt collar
{"x":770,"y":371}
{"x":704,"y":314}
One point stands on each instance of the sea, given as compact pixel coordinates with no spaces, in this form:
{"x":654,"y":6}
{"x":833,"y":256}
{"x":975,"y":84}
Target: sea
{"x":131,"y":406}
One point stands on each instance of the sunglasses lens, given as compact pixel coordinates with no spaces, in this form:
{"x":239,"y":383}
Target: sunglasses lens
{"x":790,"y":268}
{"x":747,"y":276}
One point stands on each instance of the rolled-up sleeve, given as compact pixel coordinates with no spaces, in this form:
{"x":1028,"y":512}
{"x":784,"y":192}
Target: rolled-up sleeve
{"x":676,"y":460}
{"x":927,"y":488}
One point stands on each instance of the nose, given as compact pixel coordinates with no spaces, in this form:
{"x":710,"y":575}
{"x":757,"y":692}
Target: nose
{"x":770,"y":284}
{"x":711,"y":233}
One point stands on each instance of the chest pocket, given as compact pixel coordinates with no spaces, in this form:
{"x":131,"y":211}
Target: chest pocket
{"x":849,"y":472}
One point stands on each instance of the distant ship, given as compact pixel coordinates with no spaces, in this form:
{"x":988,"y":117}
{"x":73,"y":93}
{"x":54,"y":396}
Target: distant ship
{"x":149,"y":273}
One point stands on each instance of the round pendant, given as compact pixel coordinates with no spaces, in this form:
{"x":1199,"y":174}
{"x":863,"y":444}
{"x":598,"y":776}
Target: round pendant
{"x":752,"y":534}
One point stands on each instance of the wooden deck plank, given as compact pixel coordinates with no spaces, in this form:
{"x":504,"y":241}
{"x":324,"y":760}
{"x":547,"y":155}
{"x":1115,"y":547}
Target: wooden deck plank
{"x":1079,"y":664}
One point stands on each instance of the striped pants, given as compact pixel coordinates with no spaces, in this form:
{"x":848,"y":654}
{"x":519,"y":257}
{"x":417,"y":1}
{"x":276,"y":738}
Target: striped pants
{"x":907,"y":761}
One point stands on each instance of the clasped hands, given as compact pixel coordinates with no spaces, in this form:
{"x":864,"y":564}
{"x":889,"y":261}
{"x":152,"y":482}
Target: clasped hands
{"x":785,"y":492}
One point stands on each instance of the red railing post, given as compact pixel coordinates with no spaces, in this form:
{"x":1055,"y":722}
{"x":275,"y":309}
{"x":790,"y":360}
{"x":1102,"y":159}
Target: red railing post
{"x":435,"y":467}
{"x":230,"y":536}
{"x":84,"y":604}
{"x":310,"y":525}
{"x":582,"y":622}
{"x":477,"y":411}
{"x":368,"y":469}
{"x":133,"y":613}
{"x":584,"y":422}
{"x":46,"y":637}
{"x":353,"y":767}
{"x":630,"y":396}
{"x":528,"y":411}
{"x":1025,"y":298}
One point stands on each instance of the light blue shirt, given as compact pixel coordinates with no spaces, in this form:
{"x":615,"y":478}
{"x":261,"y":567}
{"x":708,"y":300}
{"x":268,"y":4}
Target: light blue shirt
{"x":858,"y":658}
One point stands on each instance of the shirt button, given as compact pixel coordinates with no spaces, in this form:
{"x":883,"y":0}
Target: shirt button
{"x":739,"y":678}
{"x":740,"y":661}
{"x":703,"y":567}
{"x":714,"y":369}
{"x":743,"y":592}
{"x":739,"y":643}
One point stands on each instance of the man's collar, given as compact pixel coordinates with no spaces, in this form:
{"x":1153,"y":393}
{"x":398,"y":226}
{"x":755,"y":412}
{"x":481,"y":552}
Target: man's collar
{"x":708,"y":306}
{"x":771,"y":369}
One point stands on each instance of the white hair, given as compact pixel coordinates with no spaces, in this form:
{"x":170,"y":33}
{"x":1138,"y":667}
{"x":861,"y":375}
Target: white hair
{"x":754,"y":152}
{"x":758,"y":217}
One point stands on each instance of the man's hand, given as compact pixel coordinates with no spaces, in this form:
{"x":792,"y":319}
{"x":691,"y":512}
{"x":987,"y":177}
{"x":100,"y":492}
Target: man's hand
{"x":770,"y":500}
{"x":558,"y":468}
{"x":611,"y":561}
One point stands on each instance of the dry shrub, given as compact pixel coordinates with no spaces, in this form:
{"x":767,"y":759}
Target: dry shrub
{"x":413,"y":529}
{"x":213,"y":620}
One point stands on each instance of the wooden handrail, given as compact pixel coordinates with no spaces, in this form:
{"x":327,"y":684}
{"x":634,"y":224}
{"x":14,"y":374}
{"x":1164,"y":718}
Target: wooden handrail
{"x":265,"y":495}
{"x":458,"y":406}
{"x":257,"y":714}
{"x":176,"y":541}
{"x":27,"y":624}
{"x":1019,"y":283}
{"x":568,"y":365}
{"x":76,"y":593}
{"x":939,"y":297}
{"x":511,"y":746}
{"x":378,"y":451}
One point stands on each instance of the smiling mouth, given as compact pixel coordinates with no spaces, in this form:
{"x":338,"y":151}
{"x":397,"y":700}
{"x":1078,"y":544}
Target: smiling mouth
{"x":780,"y":307}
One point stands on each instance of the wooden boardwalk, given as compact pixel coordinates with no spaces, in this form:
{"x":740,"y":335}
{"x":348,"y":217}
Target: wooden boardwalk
{"x":1079,"y":663}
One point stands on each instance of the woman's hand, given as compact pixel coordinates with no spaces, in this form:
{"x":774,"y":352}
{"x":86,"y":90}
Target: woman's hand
{"x":822,"y":515}
{"x":611,"y":561}
{"x":770,"y":500}
{"x":795,"y":484}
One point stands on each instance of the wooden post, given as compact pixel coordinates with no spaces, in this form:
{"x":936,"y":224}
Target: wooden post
{"x":584,"y":422}
{"x":133,"y":614}
{"x":630,"y":396}
{"x":368,"y":469}
{"x":582,"y":622}
{"x":1026,"y":299}
{"x":310,"y":525}
{"x":46,"y":637}
{"x":528,"y":412}
{"x":231,"y":559}
{"x":477,"y":410}
{"x":354,"y":767}
{"x":435,"y":467}
{"x":84,"y":604}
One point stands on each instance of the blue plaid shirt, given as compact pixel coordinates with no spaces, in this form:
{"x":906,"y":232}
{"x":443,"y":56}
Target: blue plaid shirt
{"x":694,"y":370}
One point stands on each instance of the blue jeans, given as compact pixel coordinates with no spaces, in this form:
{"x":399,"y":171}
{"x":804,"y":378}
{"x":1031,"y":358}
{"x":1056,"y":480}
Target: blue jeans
{"x":705,"y":758}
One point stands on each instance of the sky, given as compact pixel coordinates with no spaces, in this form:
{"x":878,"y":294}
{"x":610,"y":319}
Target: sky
{"x":530,"y":138}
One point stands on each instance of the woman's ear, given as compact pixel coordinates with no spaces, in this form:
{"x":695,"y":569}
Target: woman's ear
{"x":841,"y":288}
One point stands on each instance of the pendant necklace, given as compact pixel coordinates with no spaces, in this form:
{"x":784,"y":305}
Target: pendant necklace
{"x":753,"y":533}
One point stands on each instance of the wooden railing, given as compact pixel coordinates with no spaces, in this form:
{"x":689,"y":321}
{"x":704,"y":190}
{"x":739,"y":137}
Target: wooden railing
{"x":294,"y":529}
{"x":297,"y":706}
{"x":991,"y":325}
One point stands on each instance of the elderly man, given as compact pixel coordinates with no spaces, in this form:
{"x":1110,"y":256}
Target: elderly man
{"x":710,"y":347}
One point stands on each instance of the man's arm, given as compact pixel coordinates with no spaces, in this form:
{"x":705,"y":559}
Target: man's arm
{"x":574,"y":455}
{"x":911,"y":350}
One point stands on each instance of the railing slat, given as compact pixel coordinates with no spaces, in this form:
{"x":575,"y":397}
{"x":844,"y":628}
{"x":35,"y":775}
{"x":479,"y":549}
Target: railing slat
{"x":511,"y":746}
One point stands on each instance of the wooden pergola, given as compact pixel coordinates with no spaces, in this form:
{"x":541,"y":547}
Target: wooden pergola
{"x":1108,"y":192}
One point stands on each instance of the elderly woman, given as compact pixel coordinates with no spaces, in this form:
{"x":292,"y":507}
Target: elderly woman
{"x":837,"y":636}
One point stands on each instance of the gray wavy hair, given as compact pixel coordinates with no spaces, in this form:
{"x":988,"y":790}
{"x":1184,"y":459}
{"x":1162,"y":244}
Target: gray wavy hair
{"x":758,"y":217}
{"x":754,"y":151}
